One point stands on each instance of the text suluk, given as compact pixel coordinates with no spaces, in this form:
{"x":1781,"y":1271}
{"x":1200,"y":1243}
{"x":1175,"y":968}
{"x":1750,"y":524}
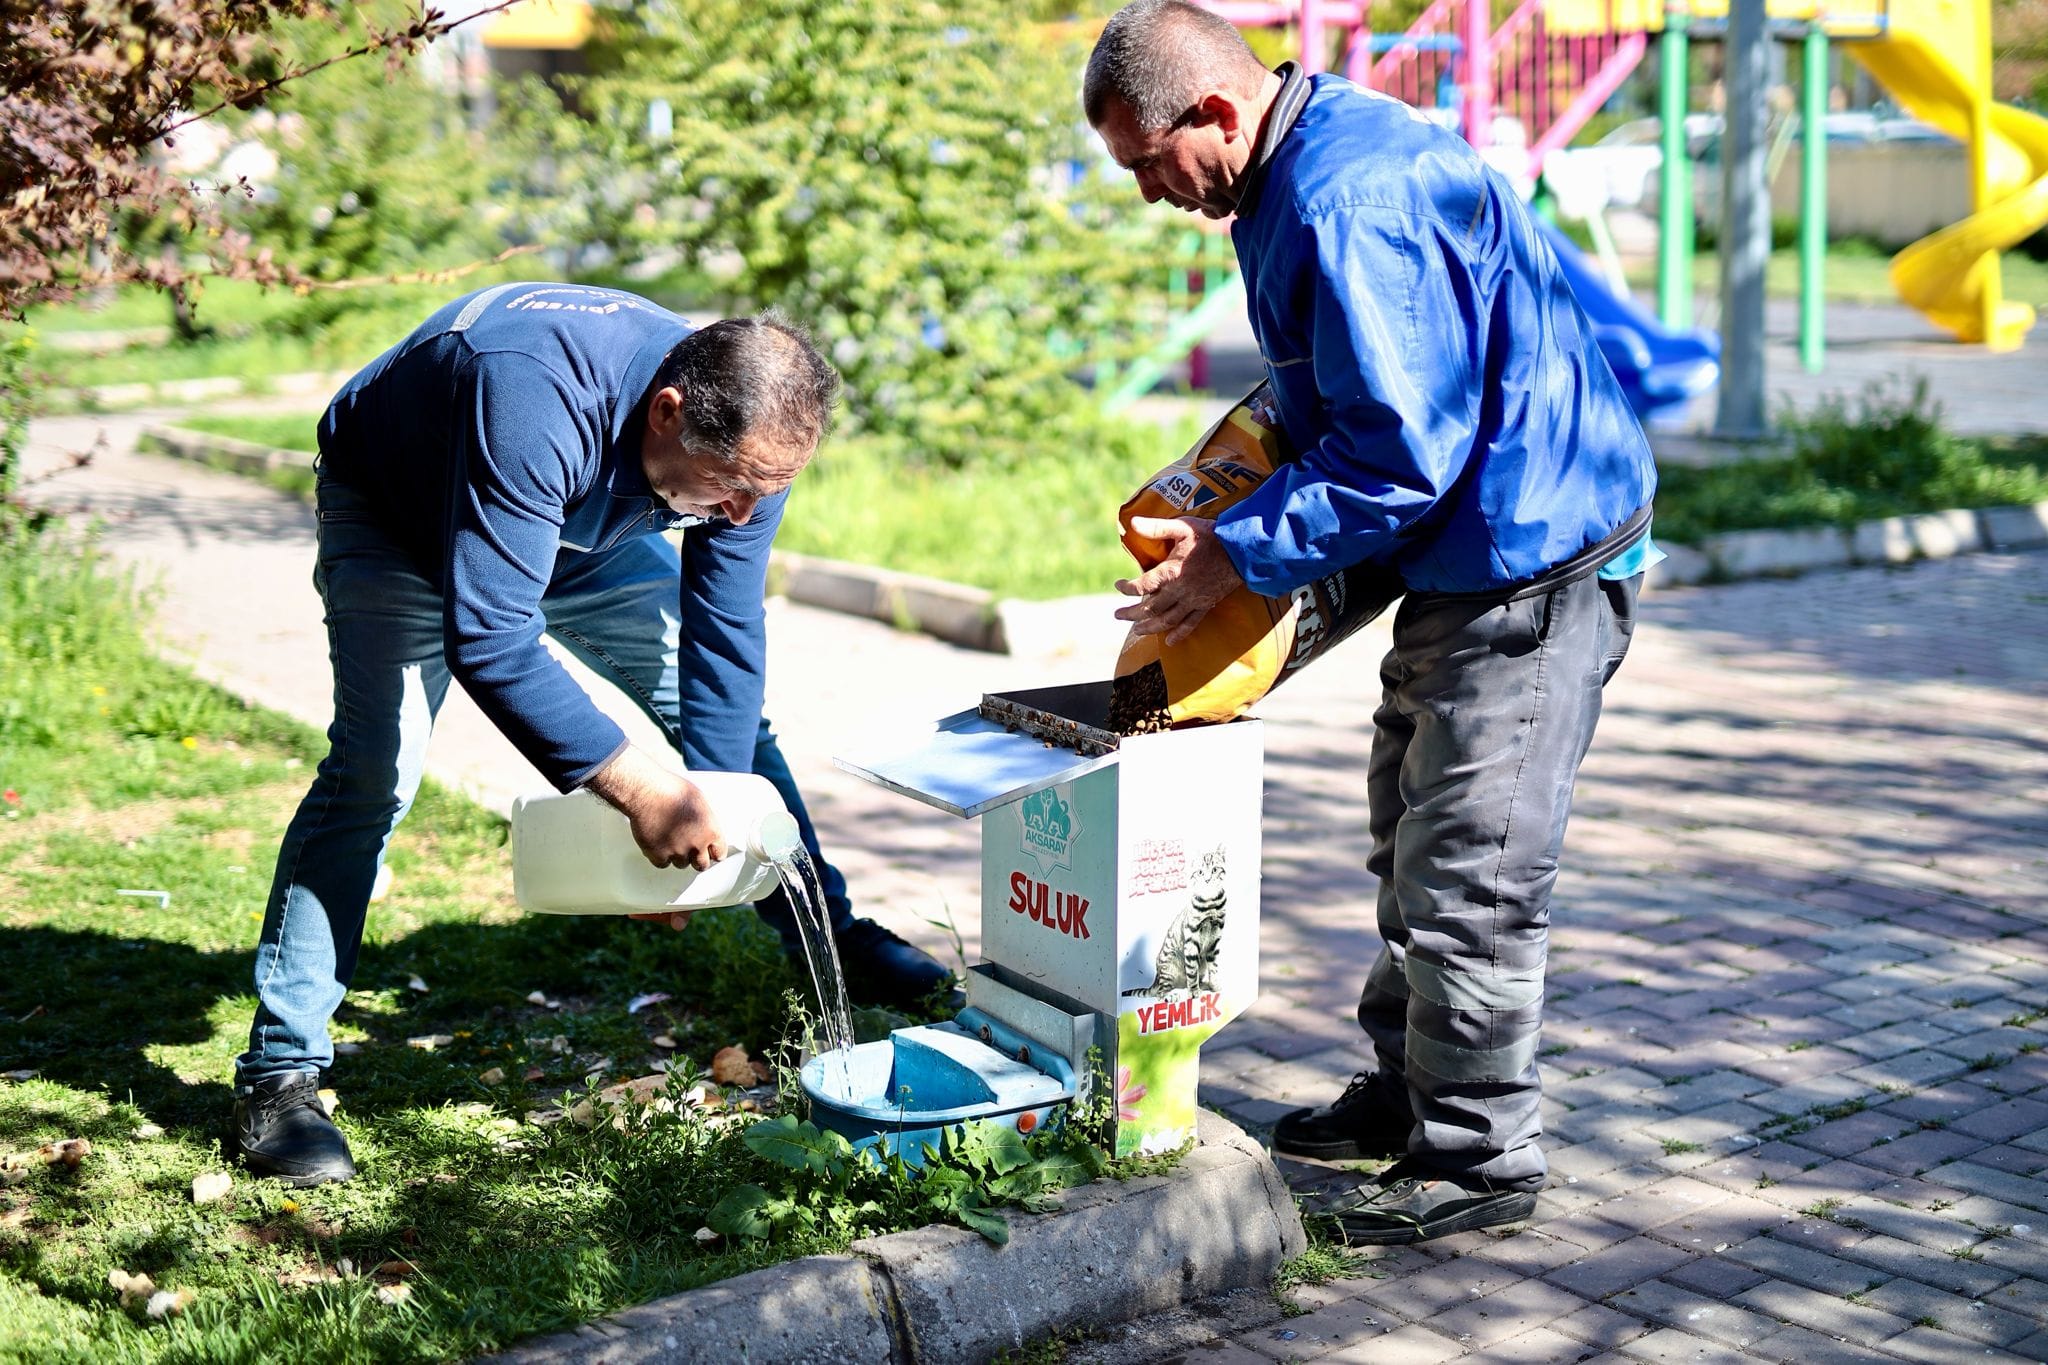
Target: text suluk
{"x":1061,"y":910}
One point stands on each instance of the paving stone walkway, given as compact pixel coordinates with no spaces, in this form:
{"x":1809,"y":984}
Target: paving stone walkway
{"x":1798,"y":1097}
{"x":1797,"y":1092}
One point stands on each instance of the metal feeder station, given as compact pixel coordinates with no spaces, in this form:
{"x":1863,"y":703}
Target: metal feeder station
{"x":1119,"y":918}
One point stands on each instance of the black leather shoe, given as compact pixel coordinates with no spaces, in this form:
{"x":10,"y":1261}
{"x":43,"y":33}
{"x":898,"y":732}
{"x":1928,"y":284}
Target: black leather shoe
{"x":1368,"y":1120}
{"x":1410,"y":1203}
{"x":282,"y":1131}
{"x":881,"y":969}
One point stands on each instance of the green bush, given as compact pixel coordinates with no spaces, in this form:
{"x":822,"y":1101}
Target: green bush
{"x":377,"y":173}
{"x":910,"y":179}
{"x":1883,"y":453}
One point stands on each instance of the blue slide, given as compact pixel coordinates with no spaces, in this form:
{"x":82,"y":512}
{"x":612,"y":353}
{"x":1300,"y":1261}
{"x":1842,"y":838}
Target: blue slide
{"x":1658,"y":367}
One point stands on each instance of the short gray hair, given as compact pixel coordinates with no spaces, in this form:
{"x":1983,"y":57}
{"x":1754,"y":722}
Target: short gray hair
{"x":751,"y":377}
{"x":1158,"y":57}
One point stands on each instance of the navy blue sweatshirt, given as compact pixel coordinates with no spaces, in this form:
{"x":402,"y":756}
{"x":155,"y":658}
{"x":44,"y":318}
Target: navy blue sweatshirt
{"x":506,"y":430}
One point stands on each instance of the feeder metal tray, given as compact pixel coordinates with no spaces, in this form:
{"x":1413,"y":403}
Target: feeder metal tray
{"x":1009,"y":746}
{"x":1073,"y":715}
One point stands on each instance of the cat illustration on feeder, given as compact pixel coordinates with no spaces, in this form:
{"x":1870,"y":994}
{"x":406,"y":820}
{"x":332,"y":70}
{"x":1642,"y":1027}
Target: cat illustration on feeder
{"x":1188,"y":955}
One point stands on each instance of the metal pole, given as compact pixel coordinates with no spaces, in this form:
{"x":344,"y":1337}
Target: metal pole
{"x":1311,"y":37}
{"x":1987,"y":273}
{"x":1813,"y":203}
{"x":1746,"y":225}
{"x":1478,"y":73}
{"x":1674,"y":194}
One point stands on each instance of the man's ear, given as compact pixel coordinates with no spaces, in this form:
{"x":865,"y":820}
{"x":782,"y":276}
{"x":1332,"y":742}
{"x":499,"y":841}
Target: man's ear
{"x":1220,"y":109}
{"x":665,"y":410}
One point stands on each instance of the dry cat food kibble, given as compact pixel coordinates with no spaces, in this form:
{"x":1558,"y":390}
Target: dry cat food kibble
{"x":1137,"y":702}
{"x":1247,"y":644}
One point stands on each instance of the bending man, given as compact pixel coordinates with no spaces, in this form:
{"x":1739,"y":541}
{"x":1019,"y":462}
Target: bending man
{"x":505,"y":470}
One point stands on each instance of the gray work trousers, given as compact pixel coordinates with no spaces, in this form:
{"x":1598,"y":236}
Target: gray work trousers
{"x":1486,"y":711}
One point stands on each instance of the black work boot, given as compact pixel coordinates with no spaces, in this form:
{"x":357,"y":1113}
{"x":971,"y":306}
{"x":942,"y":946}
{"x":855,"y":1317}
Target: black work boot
{"x":1370,"y":1119}
{"x":282,"y":1131}
{"x":1409,"y":1202}
{"x":881,"y":969}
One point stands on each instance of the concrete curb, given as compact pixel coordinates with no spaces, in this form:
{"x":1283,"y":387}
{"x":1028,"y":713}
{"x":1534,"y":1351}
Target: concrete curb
{"x":952,"y":612}
{"x":975,"y":618}
{"x":1886,"y":540}
{"x":201,"y":447}
{"x":1109,"y":1253}
{"x":319,"y":384}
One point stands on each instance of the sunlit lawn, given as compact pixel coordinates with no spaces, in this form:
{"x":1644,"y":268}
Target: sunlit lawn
{"x":141,"y":813}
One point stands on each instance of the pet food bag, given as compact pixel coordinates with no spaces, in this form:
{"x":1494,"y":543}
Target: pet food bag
{"x":1247,"y":644}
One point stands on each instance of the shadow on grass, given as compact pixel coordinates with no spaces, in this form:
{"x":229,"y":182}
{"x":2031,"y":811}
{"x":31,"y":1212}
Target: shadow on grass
{"x":99,"y":1013}
{"x":85,"y":1008}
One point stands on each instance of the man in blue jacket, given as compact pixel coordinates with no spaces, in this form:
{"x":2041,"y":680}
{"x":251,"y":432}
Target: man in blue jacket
{"x":504,"y":471}
{"x":1454,"y":423}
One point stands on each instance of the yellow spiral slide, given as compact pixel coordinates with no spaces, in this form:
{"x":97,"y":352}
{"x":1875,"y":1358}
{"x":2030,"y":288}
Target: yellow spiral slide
{"x":1935,"y":59}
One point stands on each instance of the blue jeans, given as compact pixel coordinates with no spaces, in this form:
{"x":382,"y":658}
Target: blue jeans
{"x":616,"y":611}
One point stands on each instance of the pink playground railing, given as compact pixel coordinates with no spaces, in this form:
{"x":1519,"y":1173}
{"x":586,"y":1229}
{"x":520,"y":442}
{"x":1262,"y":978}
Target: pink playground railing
{"x":1453,"y":58}
{"x":1553,"y":82}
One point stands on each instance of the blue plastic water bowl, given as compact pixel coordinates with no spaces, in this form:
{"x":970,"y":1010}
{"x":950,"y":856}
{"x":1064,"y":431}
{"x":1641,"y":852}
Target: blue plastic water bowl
{"x":907,"y":1089}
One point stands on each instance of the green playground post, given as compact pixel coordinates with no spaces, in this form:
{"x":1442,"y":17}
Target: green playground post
{"x":1813,"y":202}
{"x":1674,"y":198}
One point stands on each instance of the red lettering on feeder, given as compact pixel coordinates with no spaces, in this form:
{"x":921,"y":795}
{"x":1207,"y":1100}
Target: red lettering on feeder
{"x":1060,"y":910}
{"x":1166,"y":1015}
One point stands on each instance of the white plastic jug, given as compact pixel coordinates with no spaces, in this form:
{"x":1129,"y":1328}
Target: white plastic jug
{"x":575,"y":855}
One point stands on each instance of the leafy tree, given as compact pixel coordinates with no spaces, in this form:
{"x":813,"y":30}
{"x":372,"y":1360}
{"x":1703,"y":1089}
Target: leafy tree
{"x":87,"y":86}
{"x":910,"y":178}
{"x":377,"y":173}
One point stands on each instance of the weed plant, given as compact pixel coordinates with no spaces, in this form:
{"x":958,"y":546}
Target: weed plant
{"x":141,"y":810}
{"x":1883,"y":453}
{"x":1327,"y":1257}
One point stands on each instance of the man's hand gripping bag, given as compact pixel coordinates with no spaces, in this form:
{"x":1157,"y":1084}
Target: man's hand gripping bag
{"x":1248,"y":644}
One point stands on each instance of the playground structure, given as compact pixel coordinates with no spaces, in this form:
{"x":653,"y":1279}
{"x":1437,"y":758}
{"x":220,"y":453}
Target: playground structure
{"x":1934,"y":58}
{"x":1521,"y":89}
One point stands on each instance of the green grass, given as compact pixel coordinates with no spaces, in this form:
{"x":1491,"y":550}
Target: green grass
{"x":1045,"y":531}
{"x":252,"y":355}
{"x":225,"y":305}
{"x":257,"y":333}
{"x":284,"y":431}
{"x":1856,"y":272}
{"x":1046,"y":528}
{"x":1049,"y":530}
{"x":119,"y":773}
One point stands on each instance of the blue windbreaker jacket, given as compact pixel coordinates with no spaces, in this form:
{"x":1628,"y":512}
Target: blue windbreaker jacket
{"x":1452,"y":416}
{"x":506,"y":431}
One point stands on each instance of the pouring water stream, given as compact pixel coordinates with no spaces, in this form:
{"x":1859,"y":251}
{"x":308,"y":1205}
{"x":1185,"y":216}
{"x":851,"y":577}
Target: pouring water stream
{"x":821,"y":954}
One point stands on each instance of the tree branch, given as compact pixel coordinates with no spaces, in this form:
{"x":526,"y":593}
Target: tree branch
{"x":425,"y":29}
